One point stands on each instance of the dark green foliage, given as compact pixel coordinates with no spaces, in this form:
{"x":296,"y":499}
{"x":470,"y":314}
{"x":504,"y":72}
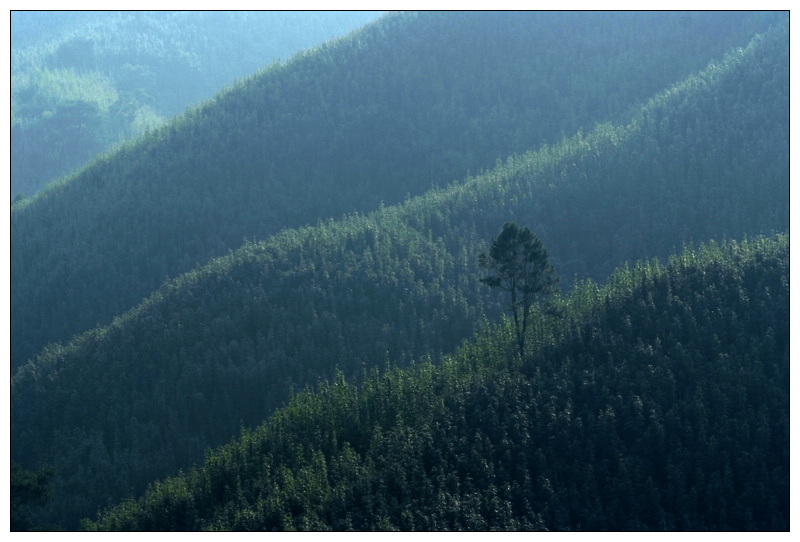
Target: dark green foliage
{"x":27,"y":489}
{"x":411,"y":101}
{"x":660,"y":401}
{"x":519,"y":264}
{"x":219,"y":347}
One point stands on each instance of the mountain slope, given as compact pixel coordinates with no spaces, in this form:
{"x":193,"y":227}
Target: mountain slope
{"x":659,"y":402}
{"x":221,"y":346}
{"x":92,"y":80}
{"x":408,"y":102}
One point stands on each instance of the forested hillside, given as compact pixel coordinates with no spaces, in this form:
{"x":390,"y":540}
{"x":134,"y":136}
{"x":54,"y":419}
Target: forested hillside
{"x":411,"y":101}
{"x":82,"y":81}
{"x":219,"y":347}
{"x":658,"y":402}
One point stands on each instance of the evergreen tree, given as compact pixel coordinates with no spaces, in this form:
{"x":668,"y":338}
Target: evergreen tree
{"x":519,"y":264}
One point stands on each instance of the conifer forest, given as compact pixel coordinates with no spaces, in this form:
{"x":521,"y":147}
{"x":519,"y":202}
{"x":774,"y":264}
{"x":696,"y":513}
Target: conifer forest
{"x":415,"y":271}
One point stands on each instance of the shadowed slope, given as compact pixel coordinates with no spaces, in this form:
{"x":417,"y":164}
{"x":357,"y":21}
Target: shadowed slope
{"x":659,"y":402}
{"x":220,"y":346}
{"x":410,"y":101}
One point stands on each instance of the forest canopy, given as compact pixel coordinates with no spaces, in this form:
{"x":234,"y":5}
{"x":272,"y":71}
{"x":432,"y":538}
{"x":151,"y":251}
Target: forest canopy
{"x":362,"y":120}
{"x":606,"y":426}
{"x":273,"y":302}
{"x":82,"y":82}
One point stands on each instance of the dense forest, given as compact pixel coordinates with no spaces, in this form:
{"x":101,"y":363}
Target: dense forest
{"x":122,"y":375}
{"x":83,"y":81}
{"x":409,"y":102}
{"x":614,"y":423}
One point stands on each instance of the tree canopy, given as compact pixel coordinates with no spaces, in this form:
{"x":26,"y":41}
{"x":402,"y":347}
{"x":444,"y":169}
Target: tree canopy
{"x":361,"y":120}
{"x":659,"y":401}
{"x":220,"y":346}
{"x":519,"y":264}
{"x":28,"y":489}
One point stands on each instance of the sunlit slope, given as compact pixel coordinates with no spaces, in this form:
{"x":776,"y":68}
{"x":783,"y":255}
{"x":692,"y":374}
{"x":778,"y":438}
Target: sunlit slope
{"x":659,"y":402}
{"x":220,"y":346}
{"x":82,"y":82}
{"x":410,"y":101}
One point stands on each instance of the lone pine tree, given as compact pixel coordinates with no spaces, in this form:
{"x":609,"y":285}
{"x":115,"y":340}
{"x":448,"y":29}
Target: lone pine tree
{"x":518,"y":263}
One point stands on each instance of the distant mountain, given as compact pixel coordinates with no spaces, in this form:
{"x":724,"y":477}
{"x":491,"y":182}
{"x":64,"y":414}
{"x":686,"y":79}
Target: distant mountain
{"x":659,"y":402}
{"x":409,"y":102}
{"x":220,"y":347}
{"x":82,"y":81}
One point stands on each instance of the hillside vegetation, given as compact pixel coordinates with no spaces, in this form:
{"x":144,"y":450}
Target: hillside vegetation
{"x":82,"y":81}
{"x":406,"y":103}
{"x":660,"y":401}
{"x":220,"y":347}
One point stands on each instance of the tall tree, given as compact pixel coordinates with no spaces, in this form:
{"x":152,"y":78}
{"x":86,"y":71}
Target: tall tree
{"x":519,"y":264}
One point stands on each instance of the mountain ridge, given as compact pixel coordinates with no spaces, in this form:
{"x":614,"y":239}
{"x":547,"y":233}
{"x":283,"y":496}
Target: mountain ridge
{"x":285,"y":311}
{"x":373,"y":117}
{"x":604,"y":426}
{"x":87,"y":81}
